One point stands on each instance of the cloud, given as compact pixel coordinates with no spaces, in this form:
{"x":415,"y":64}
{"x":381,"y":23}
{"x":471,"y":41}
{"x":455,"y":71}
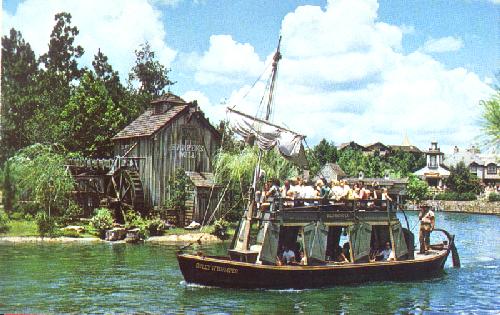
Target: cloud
{"x":344,"y":77}
{"x":443,"y":44}
{"x":116,"y":27}
{"x":227,"y":61}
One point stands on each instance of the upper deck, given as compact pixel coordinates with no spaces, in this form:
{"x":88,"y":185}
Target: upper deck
{"x":330,"y":212}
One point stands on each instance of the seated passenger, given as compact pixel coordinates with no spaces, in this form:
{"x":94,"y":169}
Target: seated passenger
{"x":288,"y":256}
{"x":340,"y":256}
{"x":303,"y":260}
{"x":274,"y":190}
{"x":387,"y":253}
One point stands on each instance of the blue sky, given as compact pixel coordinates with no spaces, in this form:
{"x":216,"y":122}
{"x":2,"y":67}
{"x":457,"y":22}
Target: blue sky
{"x":357,"y":70}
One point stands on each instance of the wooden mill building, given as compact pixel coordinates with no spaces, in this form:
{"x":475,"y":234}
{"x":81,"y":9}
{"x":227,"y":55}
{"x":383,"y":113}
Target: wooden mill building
{"x":172,"y":134}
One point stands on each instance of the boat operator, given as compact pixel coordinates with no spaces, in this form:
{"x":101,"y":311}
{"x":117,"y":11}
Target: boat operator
{"x":427,"y":221}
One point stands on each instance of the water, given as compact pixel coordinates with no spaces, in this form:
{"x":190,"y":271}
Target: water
{"x":124,"y":278}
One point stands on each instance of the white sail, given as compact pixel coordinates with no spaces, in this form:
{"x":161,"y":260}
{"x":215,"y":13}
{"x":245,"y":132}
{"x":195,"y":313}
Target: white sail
{"x":268,"y":136}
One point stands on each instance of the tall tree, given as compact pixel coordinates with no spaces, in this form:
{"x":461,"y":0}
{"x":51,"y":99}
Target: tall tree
{"x":19,"y":71}
{"x":62,"y":57}
{"x":90,"y":119}
{"x":55,"y":81}
{"x":461,"y":180}
{"x":152,"y":75}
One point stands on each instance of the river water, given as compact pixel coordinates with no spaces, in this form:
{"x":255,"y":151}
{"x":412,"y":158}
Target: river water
{"x":125,"y":278}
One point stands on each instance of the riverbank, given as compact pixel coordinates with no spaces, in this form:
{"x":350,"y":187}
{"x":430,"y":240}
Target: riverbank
{"x":171,"y":239}
{"x":473,"y":207}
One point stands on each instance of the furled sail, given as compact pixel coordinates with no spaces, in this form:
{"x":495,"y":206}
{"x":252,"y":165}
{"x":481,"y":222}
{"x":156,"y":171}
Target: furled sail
{"x":268,"y":136}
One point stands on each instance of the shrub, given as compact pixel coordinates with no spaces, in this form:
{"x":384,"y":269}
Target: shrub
{"x":102,"y":221}
{"x":492,"y":197}
{"x":46,"y":224}
{"x":156,"y":226}
{"x":4,"y":221}
{"x":70,"y":214}
{"x":220,"y":229}
{"x":134,"y":220}
{"x":454,"y":196}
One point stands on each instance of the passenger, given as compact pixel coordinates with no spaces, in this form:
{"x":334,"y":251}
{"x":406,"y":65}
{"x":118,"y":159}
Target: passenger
{"x":274,"y":190}
{"x":288,"y":256}
{"x":346,"y":251}
{"x":287,"y":192}
{"x":387,"y":253}
{"x":303,"y":259}
{"x":346,"y":188}
{"x":427,"y":221}
{"x":325,"y":189}
{"x":278,"y":261}
{"x":337,"y":191}
{"x":356,"y":192}
{"x":385,"y":195}
{"x":340,"y":256}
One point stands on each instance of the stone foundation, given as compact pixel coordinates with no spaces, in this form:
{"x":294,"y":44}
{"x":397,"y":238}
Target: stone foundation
{"x":475,"y":206}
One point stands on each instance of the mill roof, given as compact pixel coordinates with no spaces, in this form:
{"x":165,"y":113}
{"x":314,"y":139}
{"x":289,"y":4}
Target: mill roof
{"x":148,"y":123}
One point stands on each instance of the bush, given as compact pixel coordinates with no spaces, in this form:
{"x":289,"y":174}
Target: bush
{"x":46,"y":224}
{"x":4,"y":222}
{"x":156,"y":226}
{"x":492,"y":197}
{"x":220,"y":229}
{"x":70,"y":214}
{"x":102,"y":221}
{"x":134,"y":220}
{"x":454,"y":196}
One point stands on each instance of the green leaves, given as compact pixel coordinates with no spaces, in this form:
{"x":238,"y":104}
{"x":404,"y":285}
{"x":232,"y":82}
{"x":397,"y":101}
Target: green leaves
{"x":461,"y":180}
{"x":417,"y":189}
{"x":491,"y":119}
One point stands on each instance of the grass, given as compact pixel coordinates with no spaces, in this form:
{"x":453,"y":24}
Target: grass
{"x":21,"y":228}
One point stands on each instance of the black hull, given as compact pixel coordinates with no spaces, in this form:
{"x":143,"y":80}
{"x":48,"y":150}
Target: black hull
{"x":221,"y":272}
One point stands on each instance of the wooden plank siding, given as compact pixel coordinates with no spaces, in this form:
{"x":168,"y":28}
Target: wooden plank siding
{"x":185,"y":142}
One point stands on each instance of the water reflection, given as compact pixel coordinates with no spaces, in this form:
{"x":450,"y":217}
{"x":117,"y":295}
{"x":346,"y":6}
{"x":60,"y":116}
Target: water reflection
{"x":124,"y":278}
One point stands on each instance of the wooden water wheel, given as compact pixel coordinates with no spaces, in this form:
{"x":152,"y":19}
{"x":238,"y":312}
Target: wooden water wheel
{"x":125,"y":192}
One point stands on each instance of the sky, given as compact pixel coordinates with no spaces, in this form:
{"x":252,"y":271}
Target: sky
{"x":352,"y":70}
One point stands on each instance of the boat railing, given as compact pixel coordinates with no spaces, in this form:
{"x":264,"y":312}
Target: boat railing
{"x":324,"y":204}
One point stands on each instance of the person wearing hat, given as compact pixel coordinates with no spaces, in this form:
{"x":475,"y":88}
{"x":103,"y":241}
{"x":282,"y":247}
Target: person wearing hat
{"x":427,"y":220}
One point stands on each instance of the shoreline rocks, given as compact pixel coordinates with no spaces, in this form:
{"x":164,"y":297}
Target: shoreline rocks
{"x":166,"y":239}
{"x":472,"y":207}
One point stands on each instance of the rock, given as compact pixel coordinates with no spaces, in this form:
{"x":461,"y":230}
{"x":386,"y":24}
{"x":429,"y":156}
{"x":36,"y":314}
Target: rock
{"x":193,"y":226}
{"x":133,"y":236}
{"x":115,"y":234}
{"x":75,"y":228}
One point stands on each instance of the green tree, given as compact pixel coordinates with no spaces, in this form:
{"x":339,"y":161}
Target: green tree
{"x":324,"y":152}
{"x":461,"y":180}
{"x":491,"y":119}
{"x":402,"y":163}
{"x":19,"y":71}
{"x":40,"y":177}
{"x":179,"y":190}
{"x":90,"y":119}
{"x":352,"y":162}
{"x":417,"y":189}
{"x":54,"y":84}
{"x":152,"y":75}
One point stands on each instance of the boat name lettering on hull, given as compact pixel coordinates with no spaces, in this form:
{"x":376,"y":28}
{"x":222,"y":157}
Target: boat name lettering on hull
{"x":338,"y":215}
{"x":215,"y":268}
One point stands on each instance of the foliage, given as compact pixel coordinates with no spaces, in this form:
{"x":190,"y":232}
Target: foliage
{"x":491,"y":119}
{"x":156,"y":226}
{"x":46,"y":224}
{"x":402,"y":163}
{"x":4,"y":222}
{"x":450,"y":195}
{"x":220,"y":229}
{"x":71,"y":213}
{"x":152,"y":75}
{"x":324,"y":152}
{"x":22,"y":228}
{"x":19,"y":71}
{"x":133,"y":220}
{"x":8,"y":195}
{"x":102,"y":221}
{"x":461,"y":180}
{"x":492,"y":197}
{"x":179,"y":190}
{"x":39,"y":176}
{"x":90,"y":119}
{"x":417,"y":189}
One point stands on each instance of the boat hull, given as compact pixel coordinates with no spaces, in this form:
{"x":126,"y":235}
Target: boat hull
{"x":221,"y":272}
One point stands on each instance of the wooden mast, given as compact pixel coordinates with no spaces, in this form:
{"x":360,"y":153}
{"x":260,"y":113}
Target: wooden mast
{"x":251,"y":207}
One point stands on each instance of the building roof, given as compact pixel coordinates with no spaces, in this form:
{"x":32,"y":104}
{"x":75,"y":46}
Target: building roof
{"x":148,"y":123}
{"x":169,"y":98}
{"x":405,"y":148}
{"x":202,"y":179}
{"x":375,"y":145}
{"x":328,"y":170}
{"x":466,"y":157}
{"x":351,"y":144}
